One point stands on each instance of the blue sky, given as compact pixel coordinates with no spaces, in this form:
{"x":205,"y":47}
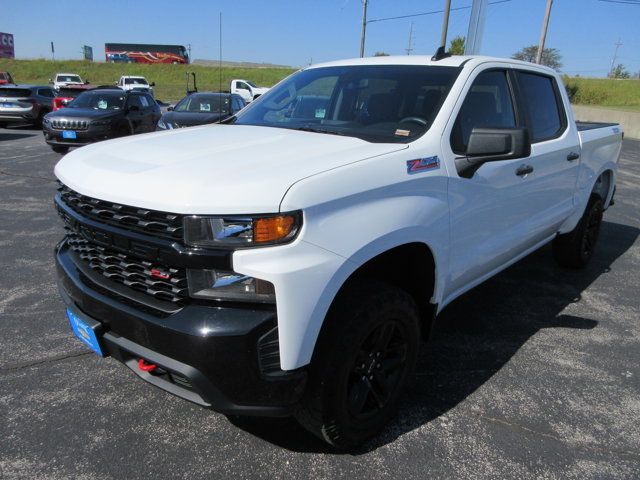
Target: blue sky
{"x":291,"y":32}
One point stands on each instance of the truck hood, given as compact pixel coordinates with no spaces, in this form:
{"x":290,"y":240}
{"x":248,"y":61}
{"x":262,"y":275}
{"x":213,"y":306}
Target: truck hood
{"x":213,"y":169}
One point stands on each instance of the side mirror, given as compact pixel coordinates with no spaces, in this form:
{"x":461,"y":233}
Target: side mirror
{"x":134,"y":108}
{"x":152,"y":84}
{"x":50,"y":80}
{"x":87,"y":82}
{"x":492,"y":145}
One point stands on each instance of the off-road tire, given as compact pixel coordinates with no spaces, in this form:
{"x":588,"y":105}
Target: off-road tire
{"x":575,"y":249}
{"x":360,"y":310}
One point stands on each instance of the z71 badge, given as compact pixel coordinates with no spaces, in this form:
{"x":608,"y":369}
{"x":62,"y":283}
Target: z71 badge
{"x":420,"y":165}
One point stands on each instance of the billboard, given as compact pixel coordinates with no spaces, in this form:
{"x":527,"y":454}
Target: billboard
{"x":6,"y":45}
{"x":87,"y":51}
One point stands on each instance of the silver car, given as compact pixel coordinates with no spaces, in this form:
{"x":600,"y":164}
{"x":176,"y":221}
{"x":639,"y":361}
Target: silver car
{"x":24,"y":104}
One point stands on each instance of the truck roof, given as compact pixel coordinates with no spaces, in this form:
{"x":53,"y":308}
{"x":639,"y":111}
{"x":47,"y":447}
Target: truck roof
{"x":452,"y":61}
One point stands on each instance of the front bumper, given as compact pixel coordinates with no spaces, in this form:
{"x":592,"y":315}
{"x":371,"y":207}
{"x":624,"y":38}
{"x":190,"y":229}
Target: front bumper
{"x":210,"y":355}
{"x":83,"y":137}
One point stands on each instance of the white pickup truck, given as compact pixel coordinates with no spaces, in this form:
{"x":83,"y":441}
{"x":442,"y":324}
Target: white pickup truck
{"x":247,"y":90}
{"x":130,"y":82}
{"x":290,"y":261}
{"x":60,"y":80}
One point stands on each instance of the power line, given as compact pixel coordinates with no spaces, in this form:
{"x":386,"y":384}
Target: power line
{"x":429,"y":13}
{"x":627,"y":2}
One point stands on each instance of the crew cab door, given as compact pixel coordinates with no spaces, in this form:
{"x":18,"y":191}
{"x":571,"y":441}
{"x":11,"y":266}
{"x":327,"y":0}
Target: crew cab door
{"x":490,"y":209}
{"x":555,"y":151}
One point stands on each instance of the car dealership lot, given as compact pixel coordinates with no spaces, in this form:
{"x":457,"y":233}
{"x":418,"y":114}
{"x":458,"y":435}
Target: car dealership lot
{"x":536,"y":373}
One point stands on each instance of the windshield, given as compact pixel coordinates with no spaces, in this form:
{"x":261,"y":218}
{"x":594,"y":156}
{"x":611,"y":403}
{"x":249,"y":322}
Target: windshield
{"x":99,"y":101}
{"x":135,"y":81}
{"x":377,"y":103}
{"x":69,"y":78}
{"x":198,"y":103}
{"x":253,"y":85}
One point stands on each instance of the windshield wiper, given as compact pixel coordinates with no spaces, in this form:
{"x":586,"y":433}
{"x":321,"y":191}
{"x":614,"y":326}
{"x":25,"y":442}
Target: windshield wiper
{"x":307,"y":128}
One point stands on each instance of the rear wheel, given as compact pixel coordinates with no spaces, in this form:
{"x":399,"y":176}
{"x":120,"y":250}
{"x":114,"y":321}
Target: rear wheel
{"x":365,"y":355}
{"x":59,"y":149}
{"x":575,"y":249}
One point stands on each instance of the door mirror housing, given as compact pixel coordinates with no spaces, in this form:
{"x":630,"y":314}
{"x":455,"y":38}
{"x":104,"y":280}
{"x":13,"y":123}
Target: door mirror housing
{"x":134,"y":108}
{"x":493,"y":145}
{"x":152,"y":84}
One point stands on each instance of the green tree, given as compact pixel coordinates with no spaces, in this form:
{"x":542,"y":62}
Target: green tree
{"x":381,"y":54}
{"x":550,"y":56}
{"x":619,"y":72}
{"x":456,"y":46}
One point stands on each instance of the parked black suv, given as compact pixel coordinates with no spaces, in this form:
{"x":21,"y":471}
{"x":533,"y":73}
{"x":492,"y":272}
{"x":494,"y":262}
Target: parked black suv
{"x":200,"y":109}
{"x":100,"y":114}
{"x":24,"y":104}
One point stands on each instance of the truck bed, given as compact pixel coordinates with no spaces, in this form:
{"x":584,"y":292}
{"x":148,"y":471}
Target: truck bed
{"x":582,"y":126}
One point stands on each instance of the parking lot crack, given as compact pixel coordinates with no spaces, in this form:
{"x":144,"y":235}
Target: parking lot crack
{"x":590,"y":448}
{"x":54,"y":359}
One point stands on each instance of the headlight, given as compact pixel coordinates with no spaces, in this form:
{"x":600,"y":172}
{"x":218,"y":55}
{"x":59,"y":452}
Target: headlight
{"x":230,"y":286}
{"x":163,"y":126}
{"x":46,"y":121}
{"x":241,"y":231}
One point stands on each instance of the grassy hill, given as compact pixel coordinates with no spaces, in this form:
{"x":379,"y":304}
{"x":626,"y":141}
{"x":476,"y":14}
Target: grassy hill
{"x":604,"y":92}
{"x":170,"y":79}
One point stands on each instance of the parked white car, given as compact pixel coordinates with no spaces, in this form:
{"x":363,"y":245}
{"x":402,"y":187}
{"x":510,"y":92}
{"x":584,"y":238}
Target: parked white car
{"x":290,"y":261}
{"x":247,"y":90}
{"x":65,"y":79}
{"x":130,"y":82}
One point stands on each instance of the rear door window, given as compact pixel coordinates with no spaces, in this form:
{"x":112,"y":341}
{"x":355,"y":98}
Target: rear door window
{"x":488,"y":104}
{"x":545,"y":111}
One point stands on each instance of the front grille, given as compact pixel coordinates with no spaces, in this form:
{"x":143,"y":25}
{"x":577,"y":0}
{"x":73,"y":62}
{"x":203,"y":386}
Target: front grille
{"x":152,"y":222}
{"x":70,"y":124}
{"x":161,"y":282}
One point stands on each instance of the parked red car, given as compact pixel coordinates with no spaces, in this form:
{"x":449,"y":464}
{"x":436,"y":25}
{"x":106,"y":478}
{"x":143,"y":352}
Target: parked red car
{"x":66,"y":94}
{"x":6,"y":78}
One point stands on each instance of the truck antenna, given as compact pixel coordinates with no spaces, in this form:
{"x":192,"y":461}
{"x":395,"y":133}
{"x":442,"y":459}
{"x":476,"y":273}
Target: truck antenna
{"x":441,"y":52}
{"x":220,"y":72}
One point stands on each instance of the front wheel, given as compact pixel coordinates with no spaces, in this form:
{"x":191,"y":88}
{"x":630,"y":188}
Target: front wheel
{"x":575,"y":249}
{"x":366,"y":353}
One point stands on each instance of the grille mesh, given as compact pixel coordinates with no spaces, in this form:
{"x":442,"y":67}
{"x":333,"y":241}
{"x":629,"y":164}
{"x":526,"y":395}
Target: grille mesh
{"x":131,"y":271}
{"x":167,"y":225}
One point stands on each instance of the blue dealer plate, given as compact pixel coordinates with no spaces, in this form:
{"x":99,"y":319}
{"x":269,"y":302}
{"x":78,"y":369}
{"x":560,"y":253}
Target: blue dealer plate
{"x":84,"y":332}
{"x":69,"y":134}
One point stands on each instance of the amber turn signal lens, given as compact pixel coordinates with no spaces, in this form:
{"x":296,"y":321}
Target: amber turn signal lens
{"x":272,"y":229}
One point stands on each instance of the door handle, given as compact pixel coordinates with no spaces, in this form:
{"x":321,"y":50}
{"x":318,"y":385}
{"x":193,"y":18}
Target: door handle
{"x":524,"y":170}
{"x":573,"y":156}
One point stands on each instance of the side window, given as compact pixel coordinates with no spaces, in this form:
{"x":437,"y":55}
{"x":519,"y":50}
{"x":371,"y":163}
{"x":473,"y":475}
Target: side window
{"x":243,"y":86}
{"x":488,"y":105}
{"x":46,"y":92}
{"x":143,"y":101}
{"x":150,"y":100}
{"x":134,"y":100}
{"x":539,"y":95}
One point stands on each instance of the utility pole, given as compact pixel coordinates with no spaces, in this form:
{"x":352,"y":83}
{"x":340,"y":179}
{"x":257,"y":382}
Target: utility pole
{"x":189,"y":48}
{"x":364,"y":27}
{"x":543,"y":34}
{"x":618,"y":44}
{"x":409,"y":48}
{"x":476,"y":27}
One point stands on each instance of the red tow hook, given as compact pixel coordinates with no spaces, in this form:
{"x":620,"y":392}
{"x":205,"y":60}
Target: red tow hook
{"x":146,"y":367}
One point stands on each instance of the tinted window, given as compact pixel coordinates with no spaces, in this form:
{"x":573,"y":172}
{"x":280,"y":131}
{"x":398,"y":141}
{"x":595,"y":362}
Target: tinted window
{"x":539,"y":94}
{"x":134,"y":100}
{"x":46,"y":92}
{"x":98,"y":100}
{"x":150,"y":100}
{"x":204,"y":103}
{"x":487,"y":105}
{"x":377,"y":103}
{"x":15,"y":92}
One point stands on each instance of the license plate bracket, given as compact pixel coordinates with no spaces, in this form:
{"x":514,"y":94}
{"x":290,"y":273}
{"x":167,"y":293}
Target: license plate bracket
{"x":87,"y":330}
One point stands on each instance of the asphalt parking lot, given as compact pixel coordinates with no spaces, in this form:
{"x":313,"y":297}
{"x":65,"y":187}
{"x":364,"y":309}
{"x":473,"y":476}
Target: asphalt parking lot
{"x":535,"y":374}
